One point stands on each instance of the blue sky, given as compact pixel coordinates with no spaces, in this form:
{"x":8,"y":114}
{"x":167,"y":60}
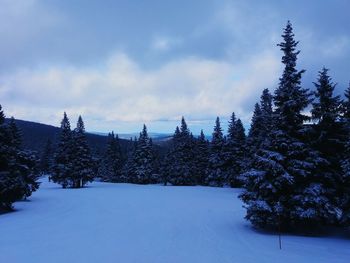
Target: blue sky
{"x":124,"y":63}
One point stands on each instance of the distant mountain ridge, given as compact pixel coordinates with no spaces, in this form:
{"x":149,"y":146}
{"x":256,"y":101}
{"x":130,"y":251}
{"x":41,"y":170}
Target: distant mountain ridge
{"x":35,"y":136}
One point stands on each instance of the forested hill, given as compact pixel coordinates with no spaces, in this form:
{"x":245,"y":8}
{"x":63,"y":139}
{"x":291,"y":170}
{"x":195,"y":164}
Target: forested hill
{"x":35,"y":136}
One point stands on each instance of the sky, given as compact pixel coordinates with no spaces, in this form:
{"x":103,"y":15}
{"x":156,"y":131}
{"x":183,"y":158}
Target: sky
{"x":120,"y":64}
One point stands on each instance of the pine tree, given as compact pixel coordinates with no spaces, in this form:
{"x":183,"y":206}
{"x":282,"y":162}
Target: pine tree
{"x":46,"y":160}
{"x":18,"y":173}
{"x":82,"y":162}
{"x":216,"y":173}
{"x":345,"y":200}
{"x":112,"y":162}
{"x":11,"y":182}
{"x":63,"y":167}
{"x":329,"y":133}
{"x":128,"y":168}
{"x":143,"y":160}
{"x":279,"y":188}
{"x":261,"y":122}
{"x":235,"y":151}
{"x":180,"y":159}
{"x":257,"y":125}
{"x":201,"y":155}
{"x":346,"y":108}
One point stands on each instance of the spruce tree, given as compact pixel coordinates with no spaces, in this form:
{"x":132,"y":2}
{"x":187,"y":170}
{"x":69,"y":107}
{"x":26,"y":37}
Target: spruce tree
{"x":181,"y":166}
{"x":346,"y":108}
{"x":18,"y":167}
{"x":82,"y":162}
{"x":329,"y":133}
{"x":143,"y":160}
{"x":11,"y":181}
{"x":345,"y":199}
{"x":279,"y":187}
{"x":46,"y":160}
{"x":235,"y":151}
{"x":216,"y":173}
{"x":254,"y":136}
{"x":63,"y":168}
{"x":128,"y":168}
{"x":112,"y":162}
{"x":261,"y":124}
{"x":201,"y":156}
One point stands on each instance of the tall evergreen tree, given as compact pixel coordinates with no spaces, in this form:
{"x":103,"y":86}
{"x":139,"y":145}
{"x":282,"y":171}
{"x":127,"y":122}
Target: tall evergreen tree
{"x":345,"y":200}
{"x":261,"y":124}
{"x":180,"y":159}
{"x":63,"y":167}
{"x":143,"y":160}
{"x":18,"y":174}
{"x":216,"y":173}
{"x":254,"y":135}
{"x":128,"y":168}
{"x":235,"y":151}
{"x":279,"y":188}
{"x":11,"y":182}
{"x":82,"y":162}
{"x":46,"y":160}
{"x":112,"y":162}
{"x":329,"y":133}
{"x":201,"y":155}
{"x":346,"y":107}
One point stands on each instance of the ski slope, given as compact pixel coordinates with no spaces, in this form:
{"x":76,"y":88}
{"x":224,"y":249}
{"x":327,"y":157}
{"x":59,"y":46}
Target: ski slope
{"x":148,"y":223}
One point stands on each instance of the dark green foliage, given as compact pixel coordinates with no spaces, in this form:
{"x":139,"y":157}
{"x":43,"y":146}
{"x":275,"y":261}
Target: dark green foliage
{"x":142,"y":167}
{"x":282,"y":186}
{"x":46,"y":160}
{"x":128,"y":168}
{"x":345,"y":200}
{"x":180,"y":167}
{"x":63,"y":166}
{"x":73,"y":164}
{"x":112,"y":162}
{"x":261,"y":125}
{"x":235,"y":148}
{"x":217,"y":173}
{"x":82,"y":162}
{"x":346,"y":103}
{"x":201,"y":156}
{"x":18,"y":168}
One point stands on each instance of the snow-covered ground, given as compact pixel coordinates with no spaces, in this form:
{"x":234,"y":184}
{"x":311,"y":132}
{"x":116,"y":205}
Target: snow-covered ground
{"x":135,"y":223}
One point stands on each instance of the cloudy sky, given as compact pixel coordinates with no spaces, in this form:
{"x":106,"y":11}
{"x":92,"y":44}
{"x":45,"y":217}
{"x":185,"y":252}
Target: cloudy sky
{"x":124,"y":63}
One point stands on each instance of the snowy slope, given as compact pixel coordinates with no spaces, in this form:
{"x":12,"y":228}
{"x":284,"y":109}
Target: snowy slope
{"x":135,"y":223}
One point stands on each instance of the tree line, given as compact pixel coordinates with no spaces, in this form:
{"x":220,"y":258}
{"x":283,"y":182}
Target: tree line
{"x":18,"y":167}
{"x":294,"y":167}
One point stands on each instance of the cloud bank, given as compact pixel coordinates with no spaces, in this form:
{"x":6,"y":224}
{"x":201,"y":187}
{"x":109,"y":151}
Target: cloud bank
{"x":120,"y":91}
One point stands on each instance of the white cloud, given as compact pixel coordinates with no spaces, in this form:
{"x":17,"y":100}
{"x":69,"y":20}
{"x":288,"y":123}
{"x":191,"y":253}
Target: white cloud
{"x":122,"y":92}
{"x":163,"y":43}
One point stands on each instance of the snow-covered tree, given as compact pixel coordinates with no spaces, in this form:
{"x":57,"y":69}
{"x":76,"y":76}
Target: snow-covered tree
{"x":256,"y":126}
{"x":62,"y":168}
{"x":346,"y":107}
{"x":180,"y":162}
{"x":282,"y":186}
{"x":112,"y":163}
{"x":128,"y":168}
{"x":345,"y":199}
{"x":143,"y":160}
{"x":261,"y":124}
{"x":46,"y":160}
{"x":201,"y":155}
{"x":18,"y":173}
{"x":82,"y":162}
{"x":216,"y":174}
{"x":235,"y":147}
